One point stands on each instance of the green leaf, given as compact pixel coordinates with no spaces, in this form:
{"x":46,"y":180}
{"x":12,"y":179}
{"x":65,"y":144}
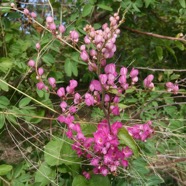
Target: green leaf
{"x":105,"y":7}
{"x":4,"y":169}
{"x":70,"y":68}
{"x":182,"y":3}
{"x":5,"y":64}
{"x":159,"y":52}
{"x":148,"y":2}
{"x":126,"y":139}
{"x":48,"y":59}
{"x":180,"y":45}
{"x":2,"y":120}
{"x":52,"y":152}
{"x":68,"y":155}
{"x":87,"y":10}
{"x":45,"y":175}
{"x":4,"y":86}
{"x":4,"y":101}
{"x":99,"y":180}
{"x":24,"y":102}
{"x":79,"y":181}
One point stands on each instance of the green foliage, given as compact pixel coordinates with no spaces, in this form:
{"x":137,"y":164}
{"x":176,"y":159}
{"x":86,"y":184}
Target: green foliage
{"x":4,"y":169}
{"x":30,"y":125}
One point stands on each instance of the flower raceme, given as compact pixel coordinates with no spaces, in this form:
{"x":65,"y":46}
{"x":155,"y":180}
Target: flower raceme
{"x":102,"y":149}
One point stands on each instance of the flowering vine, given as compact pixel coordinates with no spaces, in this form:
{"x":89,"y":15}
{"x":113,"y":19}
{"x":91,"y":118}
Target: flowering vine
{"x":103,"y":150}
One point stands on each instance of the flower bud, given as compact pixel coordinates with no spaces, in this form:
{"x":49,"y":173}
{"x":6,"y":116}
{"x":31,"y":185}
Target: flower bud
{"x":49,"y":19}
{"x":62,"y":28}
{"x":123,"y":71}
{"x":52,"y":81}
{"x":134,"y":73}
{"x":52,"y":26}
{"x":103,"y":78}
{"x":61,"y":92}
{"x":26,"y":11}
{"x":40,"y":85}
{"x":33,"y":14}
{"x":84,"y":55}
{"x":12,"y":5}
{"x":82,"y":47}
{"x":93,"y":52}
{"x":74,"y":36}
{"x":31,"y":63}
{"x":40,"y":71}
{"x":38,"y":46}
{"x":87,"y":40}
{"x":110,"y":69}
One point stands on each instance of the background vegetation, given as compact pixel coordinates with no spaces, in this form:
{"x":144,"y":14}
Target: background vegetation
{"x":152,"y":39}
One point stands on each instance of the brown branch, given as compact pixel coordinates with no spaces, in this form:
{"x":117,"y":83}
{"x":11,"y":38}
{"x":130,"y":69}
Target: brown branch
{"x":167,"y":164}
{"x":155,"y":35}
{"x":163,"y":70}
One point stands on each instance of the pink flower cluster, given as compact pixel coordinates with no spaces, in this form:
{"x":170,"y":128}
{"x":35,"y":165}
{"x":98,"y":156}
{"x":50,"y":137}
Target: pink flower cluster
{"x":104,"y":43}
{"x":52,"y":26}
{"x":29,"y":14}
{"x":102,"y":150}
{"x":141,"y":131}
{"x":171,"y":87}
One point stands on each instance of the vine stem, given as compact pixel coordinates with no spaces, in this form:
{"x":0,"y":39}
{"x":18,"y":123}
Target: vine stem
{"x":8,"y":183}
{"x":28,"y":96}
{"x":155,"y":35}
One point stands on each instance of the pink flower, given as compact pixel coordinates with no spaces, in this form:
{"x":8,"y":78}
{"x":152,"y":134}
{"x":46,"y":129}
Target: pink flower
{"x":33,"y":14}
{"x":31,"y":63}
{"x":98,"y":39}
{"x":87,"y":175}
{"x":84,"y":55}
{"x":82,"y":47}
{"x":73,"y":83}
{"x":127,"y":152}
{"x":172,"y":87}
{"x":38,"y":46}
{"x":74,"y":36}
{"x":107,"y":98}
{"x":104,"y":171}
{"x":61,"y":92}
{"x":61,"y":119}
{"x":122,"y":79}
{"x":134,"y":72}
{"x":115,"y":127}
{"x":52,"y":81}
{"x":89,"y":99}
{"x":77,"y":98}
{"x":63,"y":105}
{"x":93,"y":52}
{"x":62,"y":29}
{"x":111,"y":69}
{"x":95,"y":85}
{"x":49,"y":19}
{"x":52,"y":26}
{"x":94,"y":161}
{"x":103,"y":78}
{"x":40,"y":85}
{"x":115,"y":110}
{"x":123,"y":71}
{"x":148,"y":81}
{"x":72,"y":109}
{"x":40,"y":71}
{"x":26,"y":11}
{"x":87,"y":40}
{"x":125,"y":163}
